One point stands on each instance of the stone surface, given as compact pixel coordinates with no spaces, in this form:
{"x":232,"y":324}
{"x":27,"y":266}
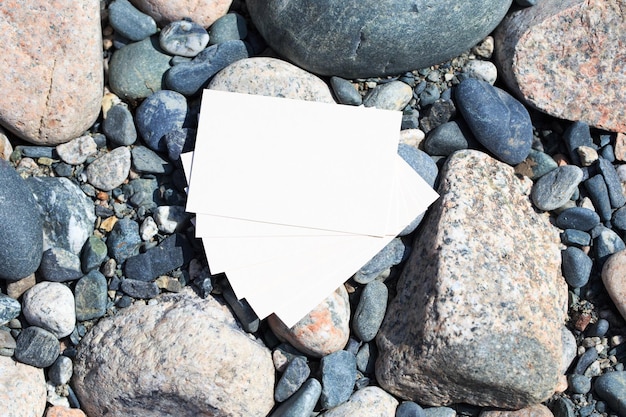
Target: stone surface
{"x":130,"y":22}
{"x":57,"y":68}
{"x":21,"y":234}
{"x":60,"y":265}
{"x":183,"y":38}
{"x":464,"y":303}
{"x":76,"y":151}
{"x":323,"y":331}
{"x":369,"y":401}
{"x":170,"y":254}
{"x":147,"y":161}
{"x":576,"y":266}
{"x":614,"y":279}
{"x":545,"y":54}
{"x":159,"y":114}
{"x":37,"y":347}
{"x":370,"y":311}
{"x":10,"y":308}
{"x":302,"y":403}
{"x":62,"y":411}
{"x":61,"y":371}
{"x":110,"y":170}
{"x":338,"y":377}
{"x":203,"y":12}
{"x":579,"y":218}
{"x":6,"y":149}
{"x":555,"y":188}
{"x":611,"y":387}
{"x":448,"y":138}
{"x":119,"y":126}
{"x":50,"y":305}
{"x":23,"y":392}
{"x":354,"y":39}
{"x":271,"y":77}
{"x":345,"y":91}
{"x":537,"y":410}
{"x":160,"y":364}
{"x":394,"y":95}
{"x":392,"y":254}
{"x":123,"y":241}
{"x":90,"y":295}
{"x":292,"y":379}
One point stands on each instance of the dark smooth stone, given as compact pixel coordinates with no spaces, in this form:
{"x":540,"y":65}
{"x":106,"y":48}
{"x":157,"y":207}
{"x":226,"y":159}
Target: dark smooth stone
{"x":608,"y":153}
{"x":441,"y":111}
{"x":447,"y":138}
{"x":21,"y":236}
{"x":370,"y":311}
{"x":562,"y":407}
{"x":183,"y":38}
{"x":37,"y":347}
{"x":576,"y":135}
{"x":170,"y":254}
{"x":90,"y":296}
{"x":60,"y":265}
{"x":338,"y":378}
{"x":302,"y":403}
{"x":345,"y":92}
{"x":123,"y":240}
{"x":179,"y":141}
{"x":613,"y":183}
{"x":60,"y":371}
{"x":575,"y":237}
{"x":598,"y":329}
{"x":93,"y":254}
{"x":409,"y":409}
{"x":579,"y":218}
{"x":129,"y":22}
{"x":10,"y":308}
{"x":391,"y":255}
{"x":366,"y":358}
{"x":576,"y":266}
{"x":230,"y":27}
{"x":619,"y":218}
{"x":611,"y":387}
{"x":139,"y":289}
{"x":537,"y":164}
{"x":147,"y":161}
{"x":38,"y":151}
{"x":143,"y":193}
{"x":63,"y":170}
{"x":606,"y":243}
{"x":555,"y":188}
{"x":292,"y":379}
{"x":599,"y":194}
{"x":159,"y":114}
{"x":497,"y":120}
{"x":429,"y":96}
{"x":119,"y":126}
{"x":410,"y":119}
{"x":585,"y":360}
{"x":359,"y":39}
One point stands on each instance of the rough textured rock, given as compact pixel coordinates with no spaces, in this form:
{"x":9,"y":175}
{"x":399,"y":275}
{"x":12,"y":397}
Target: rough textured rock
{"x":357,"y":38}
{"x":182,"y":356}
{"x":483,"y":286}
{"x":271,"y":77}
{"x":369,"y":401}
{"x":204,"y":12}
{"x":537,"y":410}
{"x":23,"y":392}
{"x":55,"y":68}
{"x":548,"y":51}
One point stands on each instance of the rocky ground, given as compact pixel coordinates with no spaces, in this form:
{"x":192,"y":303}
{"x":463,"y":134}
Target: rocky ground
{"x":508,"y":294}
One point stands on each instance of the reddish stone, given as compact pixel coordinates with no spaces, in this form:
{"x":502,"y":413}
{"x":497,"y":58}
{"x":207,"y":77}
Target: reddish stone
{"x":620,"y":147}
{"x":614,"y":279}
{"x":203,"y":12}
{"x":566,"y":58}
{"x":59,"y":411}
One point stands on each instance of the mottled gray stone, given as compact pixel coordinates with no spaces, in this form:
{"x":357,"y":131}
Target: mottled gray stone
{"x":159,"y":114}
{"x":10,"y":308}
{"x":448,"y":138}
{"x":129,"y":22}
{"x":59,"y":265}
{"x":230,"y":27}
{"x":611,"y":387}
{"x":76,"y":151}
{"x":183,"y":38}
{"x":338,"y":378}
{"x":119,"y":126}
{"x":90,"y":296}
{"x":147,"y":161}
{"x":302,"y":403}
{"x":394,"y":95}
{"x":110,"y":170}
{"x":370,"y":311}
{"x":123,"y":241}
{"x":94,"y":253}
{"x":346,"y":92}
{"x":50,"y":305}
{"x":555,"y":188}
{"x":463,"y":301}
{"x":37,"y":347}
{"x":61,"y":371}
{"x":292,"y":379}
{"x":368,"y":401}
{"x":172,"y":253}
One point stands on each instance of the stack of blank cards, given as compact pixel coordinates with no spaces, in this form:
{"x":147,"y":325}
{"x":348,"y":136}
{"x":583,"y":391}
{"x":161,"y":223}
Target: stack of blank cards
{"x":293,"y":197}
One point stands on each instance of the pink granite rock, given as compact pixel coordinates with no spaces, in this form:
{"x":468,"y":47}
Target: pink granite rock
{"x":52,"y":68}
{"x":481,"y":301}
{"x":566,"y":58}
{"x":23,"y":392}
{"x":537,"y":410}
{"x":203,"y":12}
{"x":614,"y":279}
{"x":6,"y":149}
{"x":324,"y":330}
{"x":183,"y":356}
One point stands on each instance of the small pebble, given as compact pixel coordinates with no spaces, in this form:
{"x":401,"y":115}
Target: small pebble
{"x":110,"y":170}
{"x":338,"y":378}
{"x":302,"y":403}
{"x":587,"y":155}
{"x":147,"y":161}
{"x":440,"y":412}
{"x":170,"y":219}
{"x":481,"y":70}
{"x":91,"y":296}
{"x":579,"y":384}
{"x":394,"y":95}
{"x":613,"y":184}
{"x":7,"y":343}
{"x":61,"y":371}
{"x":129,"y":22}
{"x":292,"y":379}
{"x":441,"y":111}
{"x":598,"y":192}
{"x":76,"y":151}
{"x":448,"y":138}
{"x":50,"y":305}
{"x":170,"y":254}
{"x":370,"y":311}
{"x":60,"y":265}
{"x":390,"y":255}
{"x":576,"y":267}
{"x":119,"y":126}
{"x":575,"y":237}
{"x":598,"y":329}
{"x":230,"y":27}
{"x":183,"y":38}
{"x":578,"y":218}
{"x":366,"y":358}
{"x":585,"y":360}
{"x":576,"y":135}
{"x":409,"y":409}
{"x":179,"y":141}
{"x":139,"y":289}
{"x":555,"y":188}
{"x":148,"y":229}
{"x":345,"y":92}
{"x":123,"y":240}
{"x":93,"y":254}
{"x":159,"y":114}
{"x":611,"y":387}
{"x":37,"y":347}
{"x":563,"y":407}
{"x":606,"y":243}
{"x":10,"y":308}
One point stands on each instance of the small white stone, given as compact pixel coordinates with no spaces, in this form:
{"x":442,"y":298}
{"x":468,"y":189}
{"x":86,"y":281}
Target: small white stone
{"x":412,"y":137}
{"x":169,"y":219}
{"x":50,"y":305}
{"x":55,"y":399}
{"x":77,"y":150}
{"x":482,"y":70}
{"x":148,"y":229}
{"x":587,"y":154}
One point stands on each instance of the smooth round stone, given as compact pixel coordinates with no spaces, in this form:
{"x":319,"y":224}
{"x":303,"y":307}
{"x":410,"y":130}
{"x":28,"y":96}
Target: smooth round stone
{"x":60,"y":265}
{"x":430,"y":95}
{"x":183,"y":38}
{"x":61,"y":371}
{"x":292,"y":379}
{"x":302,"y":403}
{"x":147,"y":161}
{"x":37,"y":347}
{"x":76,"y":151}
{"x":139,"y":289}
{"x":367,"y":401}
{"x":447,"y":138}
{"x":599,"y":194}
{"x":50,"y":305}
{"x":110,"y":170}
{"x":338,"y":377}
{"x":129,"y":22}
{"x":536,"y":165}
{"x":614,"y":279}
{"x":481,"y":70}
{"x":611,"y":387}
{"x":556,"y":187}
{"x":21,"y":243}
{"x":374,"y":38}
{"x":370,"y":311}
{"x":394,"y":95}
{"x":389,"y":256}
{"x":575,"y":237}
{"x":563,"y":407}
{"x":90,"y":294}
{"x":598,"y":329}
{"x":409,"y":409}
{"x":579,"y":218}
{"x":159,"y":114}
{"x":10,"y":308}
{"x":119,"y":126}
{"x":613,"y":183}
{"x":93,"y":254}
{"x":575,"y":136}
{"x":579,"y":384}
{"x":230,"y":27}
{"x":136,"y":71}
{"x":366,"y":358}
{"x":576,"y":266}
{"x":345,"y":92}
{"x":606,"y":243}
{"x":123,"y":240}
{"x":497,"y":120}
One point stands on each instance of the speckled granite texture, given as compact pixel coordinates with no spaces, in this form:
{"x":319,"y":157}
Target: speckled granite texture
{"x":480,"y":298}
{"x":566,"y":58}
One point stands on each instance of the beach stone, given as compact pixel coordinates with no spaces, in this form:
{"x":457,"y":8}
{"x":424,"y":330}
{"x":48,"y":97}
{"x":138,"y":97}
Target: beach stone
{"x":545,"y":56}
{"x":613,"y":184}
{"x":440,"y":412}
{"x":481,"y":298}
{"x":119,"y":126}
{"x":129,"y":22}
{"x":614,"y":279}
{"x":302,"y":403}
{"x":50,"y":305}
{"x":392,"y":254}
{"x":368,"y":401}
{"x":606,"y":243}
{"x":324,"y":330}
{"x":139,"y":289}
{"x":179,"y":141}
{"x":576,"y":136}
{"x":611,"y":387}
{"x":62,"y":411}
{"x":230,"y":27}
{"x":204,"y":12}
{"x":60,"y":265}
{"x":232,"y":375}
{"x":170,"y":219}
{"x":374,"y":38}
{"x":497,"y":120}
{"x":110,"y":170}
{"x":345,"y":91}
{"x":579,"y":218}
{"x":338,"y":377}
{"x":271,"y":77}
{"x":7,"y":343}
{"x":137,"y":70}
{"x":61,"y":370}
{"x":37,"y":347}
{"x":448,"y":138}
{"x":76,"y":151}
{"x":172,"y":253}
{"x":54,"y":70}
{"x":23,"y":389}
{"x":293,"y":377}
{"x":618,"y":219}
{"x":575,"y":237}
{"x":90,"y":296}
{"x":123,"y":240}
{"x":21,"y":234}
{"x":579,"y":384}
{"x":576,"y":266}
{"x":536,"y":165}
{"x":370,"y":311}
{"x":599,"y":195}
{"x":93,"y":254}
{"x":183,"y":38}
{"x":10,"y":308}
{"x":409,"y":409}
{"x":555,"y":188}
{"x":481,"y":70}
{"x":17,"y":288}
{"x":394,"y":95}
{"x":159,"y":114}
{"x":147,"y":161}
{"x":68,"y":214}
{"x":6,"y":149}
{"x":536,"y":410}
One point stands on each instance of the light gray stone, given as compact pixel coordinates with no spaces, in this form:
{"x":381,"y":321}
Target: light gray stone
{"x":50,"y":305}
{"x":110,"y":170}
{"x":369,"y":401}
{"x":77,"y":150}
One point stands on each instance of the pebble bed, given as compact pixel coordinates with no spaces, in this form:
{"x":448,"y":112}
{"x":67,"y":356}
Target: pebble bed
{"x":585,"y":199}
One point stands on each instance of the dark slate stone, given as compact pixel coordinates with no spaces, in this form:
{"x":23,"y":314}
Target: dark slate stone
{"x":611,"y":387}
{"x":123,"y":240}
{"x":37,"y":347}
{"x":597,"y":329}
{"x":38,"y":151}
{"x":409,"y":409}
{"x":10,"y":308}
{"x":230,"y":27}
{"x":391,"y":255}
{"x":370,"y":311}
{"x":579,"y":218}
{"x":556,"y":187}
{"x":497,"y":120}
{"x":575,"y":237}
{"x":21,"y":234}
{"x":599,"y":195}
{"x":119,"y":126}
{"x":147,"y":161}
{"x":366,"y":358}
{"x":440,"y":112}
{"x":172,"y":253}
{"x":429,"y":96}
{"x":60,"y":371}
{"x":576,"y":135}
{"x":608,"y":153}
{"x":585,"y":360}
{"x":356,"y":38}
{"x":179,"y":141}
{"x":302,"y":403}
{"x":60,"y":265}
{"x":292,"y":379}
{"x":576,"y":266}
{"x":242,"y":310}
{"x":606,"y":243}
{"x":338,"y":378}
{"x":183,"y":38}
{"x":63,"y":170}
{"x":619,"y":218}
{"x":144,"y":193}
{"x":448,"y":138}
{"x":159,"y":114}
{"x":410,"y":119}
{"x":538,"y":164}
{"x":94,"y":253}
{"x":139,"y":289}
{"x":90,"y":296}
{"x":345,"y":91}
{"x":190,"y":78}
{"x":562,"y":407}
{"x":130,"y":22}
{"x":613,"y":184}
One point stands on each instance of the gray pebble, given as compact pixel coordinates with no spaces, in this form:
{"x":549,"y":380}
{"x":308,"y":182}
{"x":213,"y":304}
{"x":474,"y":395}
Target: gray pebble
{"x":575,"y":237}
{"x":410,"y":119}
{"x":539,"y":164}
{"x":143,"y":193}
{"x":447,"y":138}
{"x":124,"y":240}
{"x":93,"y":254}
{"x":159,"y":114}
{"x":230,"y":27}
{"x":562,"y":407}
{"x":598,"y":329}
{"x":409,"y":409}
{"x":302,"y":403}
{"x":439,"y":412}
{"x":611,"y":387}
{"x":338,"y":378}
{"x":555,"y":188}
{"x":441,"y":111}
{"x":585,"y":360}
{"x":394,"y":95}
{"x":60,"y":265}
{"x":10,"y":308}
{"x":139,"y":289}
{"x":606,"y":243}
{"x":292,"y":379}
{"x":577,"y":135}
{"x":481,"y":70}
{"x":366,"y":358}
{"x":183,"y":38}
{"x":90,"y":296}
{"x":170,"y":219}
{"x":598,"y":192}
{"x":7,"y":343}
{"x":77,"y":151}
{"x":370,"y":311}
{"x":37,"y":151}
{"x":37,"y":347}
{"x":179,"y":141}
{"x":618,"y":219}
{"x":576,"y":267}
{"x":345,"y":92}
{"x":129,"y":22}
{"x":429,"y":96}
{"x":147,"y":161}
{"x":579,"y":218}
{"x":389,"y":256}
{"x":170,"y":254}
{"x":579,"y":384}
{"x":61,"y":371}
{"x":119,"y":126}
{"x":110,"y":170}
{"x":613,"y":184}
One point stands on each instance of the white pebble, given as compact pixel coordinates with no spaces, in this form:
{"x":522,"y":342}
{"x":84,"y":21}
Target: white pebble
{"x":50,"y":305}
{"x":148,"y":229}
{"x":77,"y":150}
{"x":482,"y":70}
{"x":169,"y":219}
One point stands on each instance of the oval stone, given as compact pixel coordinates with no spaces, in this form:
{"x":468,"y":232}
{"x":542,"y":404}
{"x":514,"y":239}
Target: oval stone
{"x":579,"y":218}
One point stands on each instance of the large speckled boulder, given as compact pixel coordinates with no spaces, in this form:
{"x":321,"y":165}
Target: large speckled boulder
{"x":183,"y":356}
{"x":23,"y":392}
{"x":357,"y":38}
{"x":480,"y":299}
